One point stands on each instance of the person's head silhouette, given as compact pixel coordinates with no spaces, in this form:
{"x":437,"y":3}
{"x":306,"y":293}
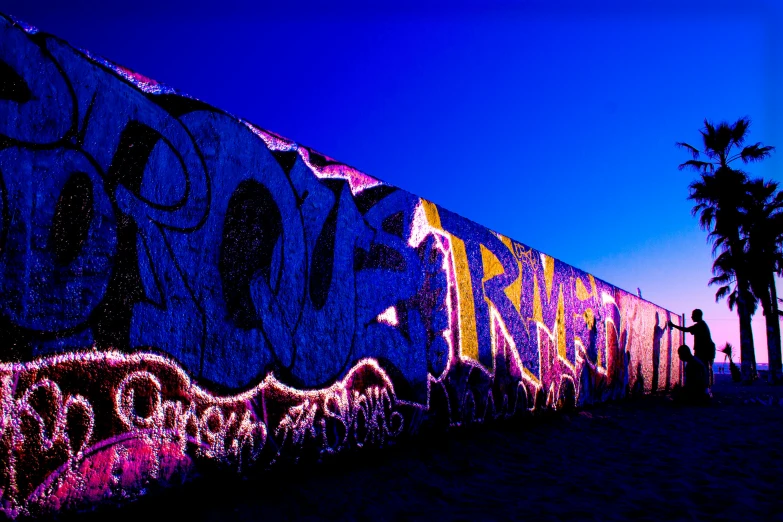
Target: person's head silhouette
{"x":685,"y":353}
{"x":696,"y":315}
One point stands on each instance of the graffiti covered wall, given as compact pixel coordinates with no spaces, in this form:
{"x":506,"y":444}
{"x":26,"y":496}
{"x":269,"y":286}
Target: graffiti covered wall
{"x":178,"y":286}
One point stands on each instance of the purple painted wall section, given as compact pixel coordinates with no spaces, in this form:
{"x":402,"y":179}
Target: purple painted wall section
{"x":178,"y":286}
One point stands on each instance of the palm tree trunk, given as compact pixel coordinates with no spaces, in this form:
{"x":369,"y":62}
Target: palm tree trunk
{"x":744,"y":300}
{"x":747,"y":350}
{"x":772,"y":321}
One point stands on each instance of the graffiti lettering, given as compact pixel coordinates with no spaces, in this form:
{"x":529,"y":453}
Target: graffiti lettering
{"x":178,"y":285}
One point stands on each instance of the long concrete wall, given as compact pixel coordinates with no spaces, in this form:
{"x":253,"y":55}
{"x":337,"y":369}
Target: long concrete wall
{"x":179,"y":286}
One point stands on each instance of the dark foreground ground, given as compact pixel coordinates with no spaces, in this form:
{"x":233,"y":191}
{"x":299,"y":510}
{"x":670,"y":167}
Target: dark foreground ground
{"x":643,"y":459}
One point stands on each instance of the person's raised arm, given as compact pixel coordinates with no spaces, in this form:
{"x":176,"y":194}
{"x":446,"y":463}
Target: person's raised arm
{"x":688,"y":329}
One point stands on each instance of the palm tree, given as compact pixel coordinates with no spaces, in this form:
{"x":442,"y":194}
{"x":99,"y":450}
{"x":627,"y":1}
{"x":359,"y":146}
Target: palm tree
{"x":728,"y":350}
{"x":724,"y":274}
{"x":723,"y":271}
{"x":719,"y":195}
{"x":763,"y":229}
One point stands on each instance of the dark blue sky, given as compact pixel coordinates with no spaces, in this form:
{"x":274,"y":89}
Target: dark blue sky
{"x":551,"y":122}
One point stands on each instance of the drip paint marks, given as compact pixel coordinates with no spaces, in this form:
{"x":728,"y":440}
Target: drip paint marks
{"x":180,"y":286}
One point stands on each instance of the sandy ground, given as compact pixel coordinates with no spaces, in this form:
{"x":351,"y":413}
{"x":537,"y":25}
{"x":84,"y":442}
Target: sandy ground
{"x":642,"y":459}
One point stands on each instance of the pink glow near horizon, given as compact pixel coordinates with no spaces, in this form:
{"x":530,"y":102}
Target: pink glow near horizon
{"x":683,"y":287}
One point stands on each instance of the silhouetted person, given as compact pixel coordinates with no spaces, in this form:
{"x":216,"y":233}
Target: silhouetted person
{"x":694,"y":391}
{"x":703,"y":347}
{"x":658,"y":332}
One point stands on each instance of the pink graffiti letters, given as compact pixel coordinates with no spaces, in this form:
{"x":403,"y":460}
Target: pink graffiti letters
{"x":67,"y":439}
